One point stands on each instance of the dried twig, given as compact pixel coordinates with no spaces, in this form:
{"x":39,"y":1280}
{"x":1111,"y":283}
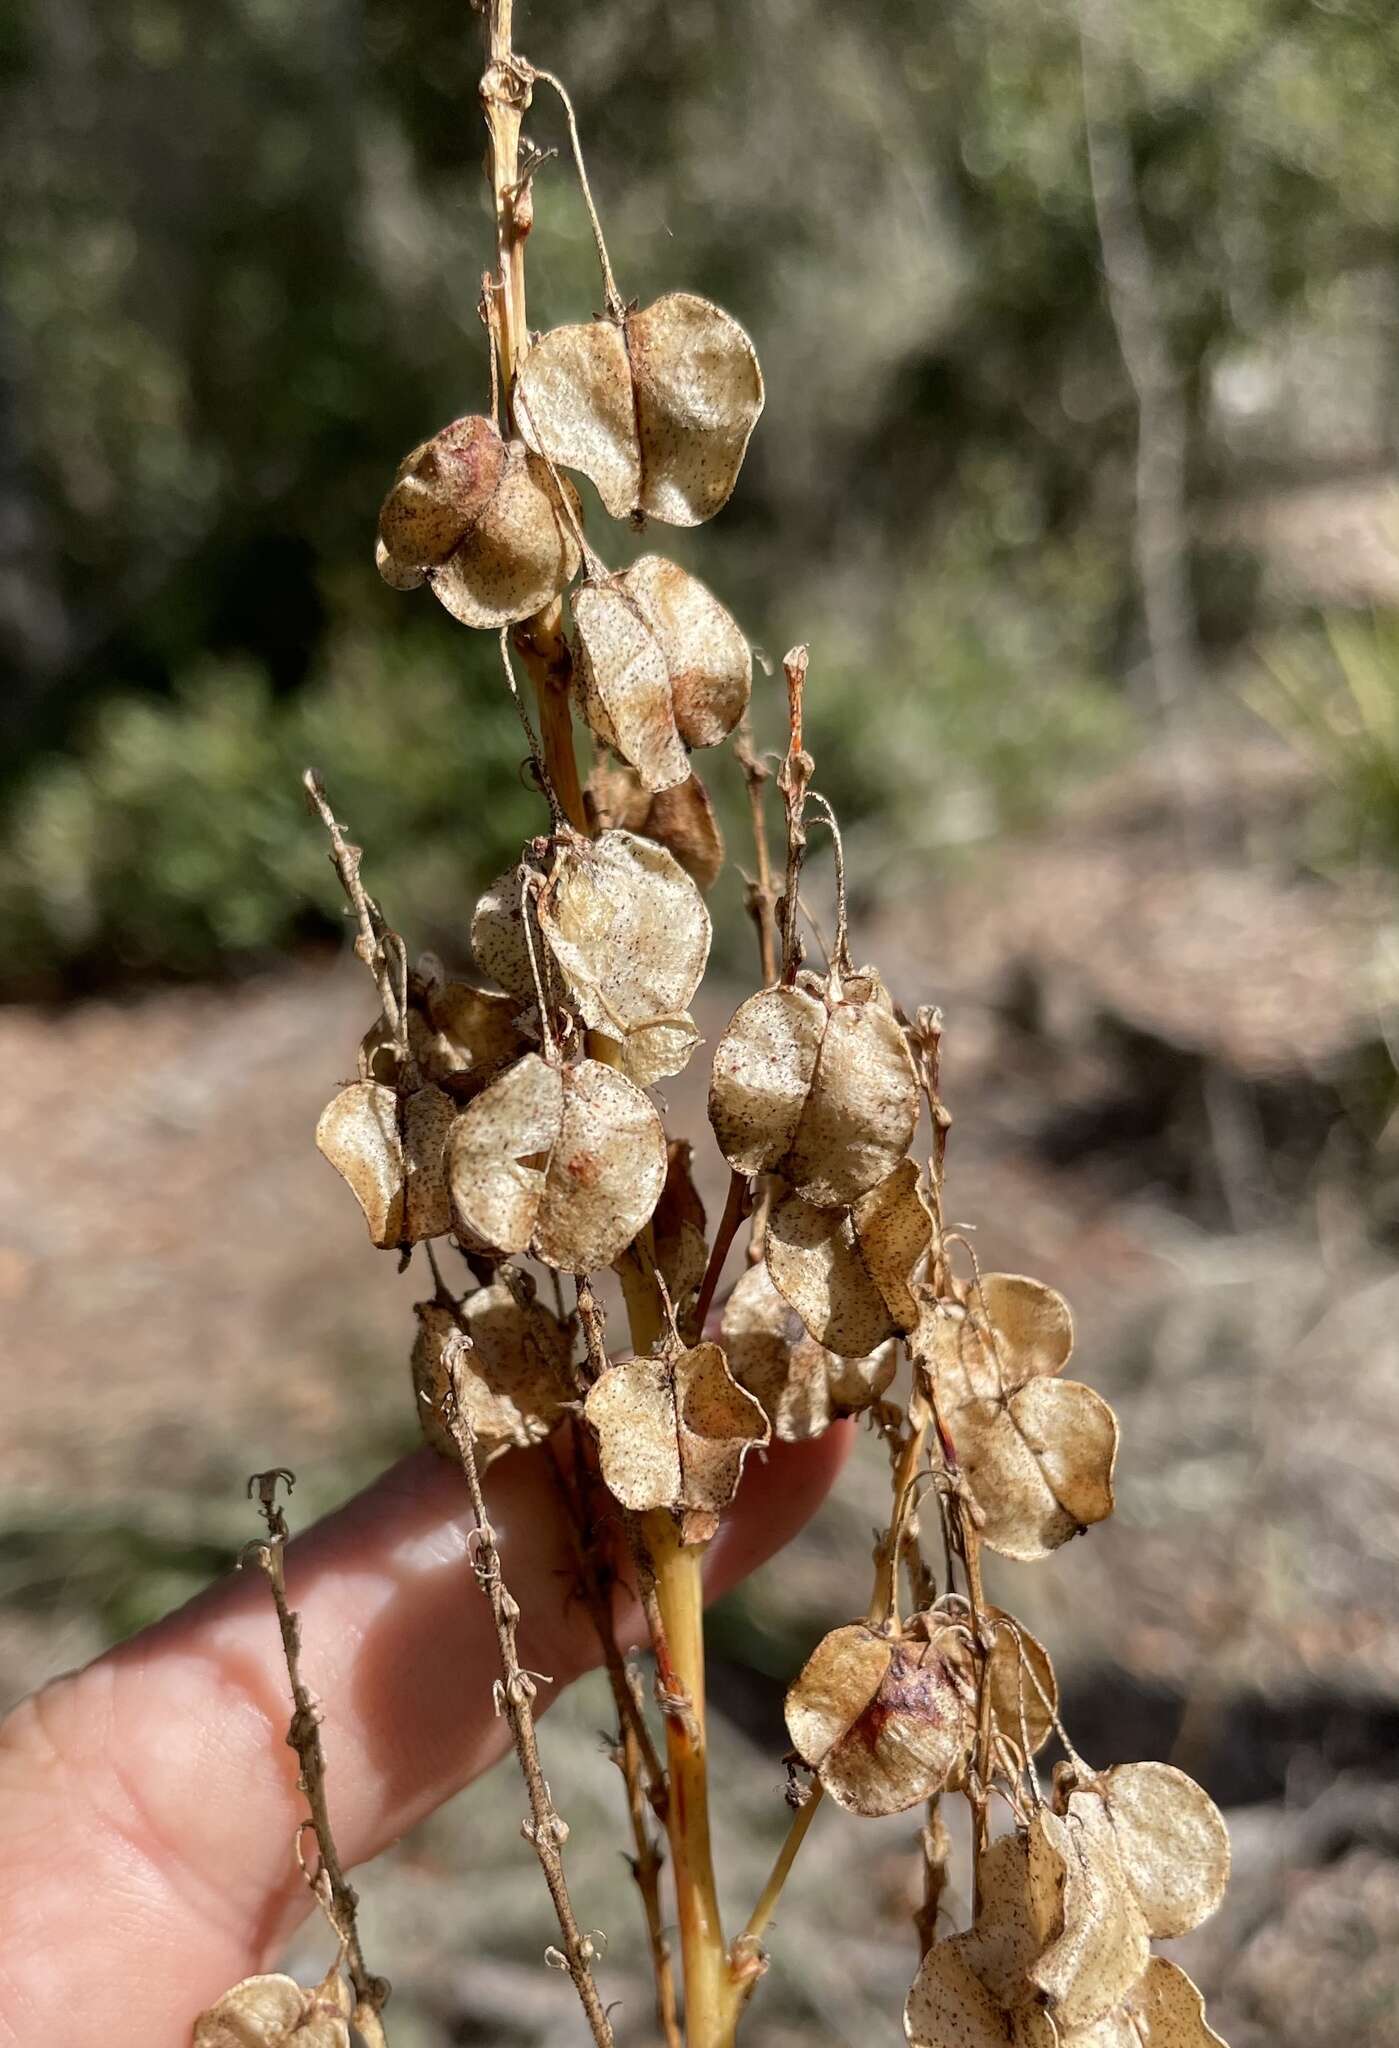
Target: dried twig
{"x":328,"y":1881}
{"x":760,"y":896}
{"x":514,"y":1695}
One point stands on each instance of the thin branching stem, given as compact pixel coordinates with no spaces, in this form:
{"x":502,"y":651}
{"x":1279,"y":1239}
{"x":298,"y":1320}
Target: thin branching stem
{"x":514,"y":1697}
{"x":332,"y":1887}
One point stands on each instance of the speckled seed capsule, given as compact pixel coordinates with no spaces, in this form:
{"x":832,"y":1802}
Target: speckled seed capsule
{"x":656,"y":408}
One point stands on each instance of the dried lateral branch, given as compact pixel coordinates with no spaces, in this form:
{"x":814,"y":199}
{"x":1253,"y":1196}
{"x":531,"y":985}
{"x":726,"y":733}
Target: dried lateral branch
{"x":260,"y":2006}
{"x":515,"y":1691}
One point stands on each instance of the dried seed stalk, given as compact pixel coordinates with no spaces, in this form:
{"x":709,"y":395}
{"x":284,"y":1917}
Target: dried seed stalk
{"x":330,"y":1884}
{"x":514,"y":1694}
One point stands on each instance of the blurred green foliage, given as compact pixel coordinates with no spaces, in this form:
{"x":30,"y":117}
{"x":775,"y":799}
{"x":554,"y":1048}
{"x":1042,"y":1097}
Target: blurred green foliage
{"x":239,"y":267}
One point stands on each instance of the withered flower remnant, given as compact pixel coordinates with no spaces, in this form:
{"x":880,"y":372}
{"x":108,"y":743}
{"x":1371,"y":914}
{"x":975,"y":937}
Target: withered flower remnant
{"x":565,"y":1163}
{"x":655,"y":408}
{"x":1037,"y":1451}
{"x":478,"y":519}
{"x":673,"y":1432}
{"x":815,"y":1083}
{"x":801,"y":1386}
{"x":886,"y":1719}
{"x":513,"y":1378}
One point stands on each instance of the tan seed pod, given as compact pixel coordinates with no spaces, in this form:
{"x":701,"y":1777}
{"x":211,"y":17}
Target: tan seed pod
{"x":678,"y":1226}
{"x":656,"y":409}
{"x":949,"y":2006}
{"x":1038,"y":1452}
{"x":627,"y":928}
{"x":1101,"y":1947}
{"x":514,"y":1380}
{"x":682,"y":819}
{"x":478,"y":519}
{"x":1168,"y":2011}
{"x":818,"y":1087}
{"x":391,"y":1153}
{"x":801,"y":1387}
{"x":566,"y":1164}
{"x":1172,"y":1840}
{"x":1024,"y":1691}
{"x":1005,"y":1940}
{"x":623,"y":683}
{"x":708,"y":661}
{"x":673,"y":1432}
{"x":276,"y":2012}
{"x":885,"y":1720}
{"x":475,"y":1036}
{"x":848,"y":1272}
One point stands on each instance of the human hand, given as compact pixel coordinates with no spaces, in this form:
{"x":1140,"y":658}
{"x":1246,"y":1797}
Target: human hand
{"x":150,"y":1801}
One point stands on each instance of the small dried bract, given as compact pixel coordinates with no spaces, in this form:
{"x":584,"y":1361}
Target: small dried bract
{"x":390,"y":1149}
{"x":276,"y":2012}
{"x":655,"y":408}
{"x":1037,"y":1451}
{"x":478,"y":519}
{"x":565,"y":1163}
{"x":802,"y":1387}
{"x":660,"y":667}
{"x":512,"y":1374}
{"x":815,"y":1083}
{"x":673,"y":1432}
{"x":886,"y":1719}
{"x":627,"y":932}
{"x":678,"y":1226}
{"x":849,"y":1272}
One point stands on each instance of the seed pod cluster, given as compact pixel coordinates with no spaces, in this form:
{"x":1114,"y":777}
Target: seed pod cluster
{"x":801,"y":1387}
{"x":1060,"y":1950}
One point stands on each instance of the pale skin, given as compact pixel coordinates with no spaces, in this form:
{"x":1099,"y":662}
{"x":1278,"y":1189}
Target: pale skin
{"x":149,"y":1801}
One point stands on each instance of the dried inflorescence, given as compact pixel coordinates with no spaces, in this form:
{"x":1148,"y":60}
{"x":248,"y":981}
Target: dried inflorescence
{"x":514,"y":1123}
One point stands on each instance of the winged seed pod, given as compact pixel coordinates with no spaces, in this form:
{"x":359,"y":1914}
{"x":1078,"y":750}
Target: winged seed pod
{"x":681,"y":818}
{"x":815,"y":1083}
{"x":801,"y":1387}
{"x":1037,"y":1451}
{"x":848,"y":1272}
{"x":514,"y":1378}
{"x":656,"y":408}
{"x":673,"y":1432}
{"x":389,"y":1148}
{"x":275,"y":2012}
{"x":1099,"y":1946}
{"x":563,"y":1163}
{"x":660,"y":667}
{"x":478,"y":519}
{"x":885,"y":1720}
{"x":628,"y":932}
{"x":1171,"y":1839}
